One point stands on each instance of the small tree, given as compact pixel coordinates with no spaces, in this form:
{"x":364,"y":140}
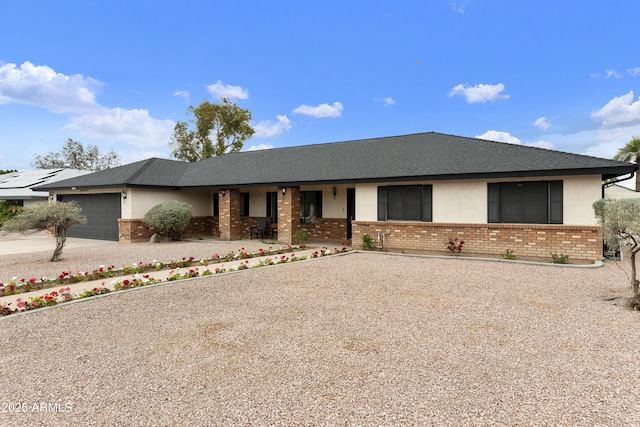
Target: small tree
{"x":171,"y":217}
{"x":620,"y":223}
{"x":57,"y":217}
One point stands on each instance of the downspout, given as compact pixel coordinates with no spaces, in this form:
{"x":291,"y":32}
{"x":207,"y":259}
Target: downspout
{"x":610,"y":183}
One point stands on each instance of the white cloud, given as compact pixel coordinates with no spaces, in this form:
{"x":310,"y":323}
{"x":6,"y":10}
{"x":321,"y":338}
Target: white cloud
{"x":542,"y":123}
{"x":118,"y":124}
{"x":633,"y":71}
{"x":259,"y":147}
{"x":321,"y":111}
{"x":270,"y":129}
{"x":620,"y":111}
{"x":41,"y":86}
{"x":499,"y":136}
{"x":611,"y":73}
{"x":540,"y":144}
{"x":606,"y":142}
{"x":506,"y":137}
{"x":387,"y":101}
{"x":479,"y":93}
{"x":221,"y":90}
{"x":459,"y":7}
{"x":184,"y":94}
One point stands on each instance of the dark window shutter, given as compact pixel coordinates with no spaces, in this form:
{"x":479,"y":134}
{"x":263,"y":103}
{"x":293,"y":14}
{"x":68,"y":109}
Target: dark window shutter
{"x":426,"y":203}
{"x":382,"y":203}
{"x":318,"y":204}
{"x":535,"y":197}
{"x":494,"y":202}
{"x":555,"y":202}
{"x":269,"y":205}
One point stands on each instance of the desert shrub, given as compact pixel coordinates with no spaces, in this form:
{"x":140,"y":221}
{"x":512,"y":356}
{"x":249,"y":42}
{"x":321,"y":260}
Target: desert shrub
{"x":559,"y":259}
{"x":367,"y":242}
{"x":508,"y":254}
{"x":170,"y":217}
{"x":300,"y":236}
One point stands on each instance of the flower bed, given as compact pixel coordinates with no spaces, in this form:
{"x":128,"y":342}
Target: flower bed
{"x":178,"y":270}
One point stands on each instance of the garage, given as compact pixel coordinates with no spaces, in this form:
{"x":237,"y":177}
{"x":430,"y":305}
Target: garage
{"x":102,"y":212}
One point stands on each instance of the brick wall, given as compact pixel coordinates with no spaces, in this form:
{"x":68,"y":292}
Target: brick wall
{"x":526,"y":240}
{"x":136,"y":230}
{"x":288,"y":214}
{"x":327,"y":229}
{"x":230,"y":226}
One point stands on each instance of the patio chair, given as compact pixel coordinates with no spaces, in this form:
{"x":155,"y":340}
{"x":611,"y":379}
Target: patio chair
{"x":260,"y":229}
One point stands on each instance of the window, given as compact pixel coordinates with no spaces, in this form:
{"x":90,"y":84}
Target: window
{"x":244,"y":204}
{"x":404,"y":203}
{"x":310,"y":206}
{"x":272,"y":206}
{"x":533,"y":202}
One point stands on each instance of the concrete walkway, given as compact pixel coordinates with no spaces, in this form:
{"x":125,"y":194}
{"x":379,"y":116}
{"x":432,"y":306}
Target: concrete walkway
{"x":42,"y":242}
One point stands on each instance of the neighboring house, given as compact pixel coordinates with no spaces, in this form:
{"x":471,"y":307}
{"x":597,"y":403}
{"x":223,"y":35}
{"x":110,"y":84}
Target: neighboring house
{"x":19,"y":186}
{"x":418,"y":190}
{"x":616,"y":191}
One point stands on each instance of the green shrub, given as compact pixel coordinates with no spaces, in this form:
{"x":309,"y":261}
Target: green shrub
{"x":367,"y":242}
{"x":559,"y":259}
{"x":300,"y":236}
{"x":508,"y":254}
{"x":170,"y":217}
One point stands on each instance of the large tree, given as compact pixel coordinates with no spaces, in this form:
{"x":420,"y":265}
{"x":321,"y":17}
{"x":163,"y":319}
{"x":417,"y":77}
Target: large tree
{"x":220,"y":128}
{"x":56,"y":217}
{"x":75,"y":156}
{"x":630,"y":153}
{"x":620,"y":224}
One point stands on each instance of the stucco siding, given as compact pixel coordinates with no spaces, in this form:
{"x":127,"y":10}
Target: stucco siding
{"x":460,"y":202}
{"x":367,"y":202}
{"x":139,"y":201}
{"x":465,"y":201}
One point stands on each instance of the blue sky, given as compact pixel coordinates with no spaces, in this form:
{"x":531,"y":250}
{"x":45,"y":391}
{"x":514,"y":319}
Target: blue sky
{"x":118,"y":74}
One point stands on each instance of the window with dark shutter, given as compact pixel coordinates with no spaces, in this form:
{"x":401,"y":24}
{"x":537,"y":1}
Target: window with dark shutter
{"x":404,"y":203}
{"x":531,"y":202}
{"x":244,"y":204}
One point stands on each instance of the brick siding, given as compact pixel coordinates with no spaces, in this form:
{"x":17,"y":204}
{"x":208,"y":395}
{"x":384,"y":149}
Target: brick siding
{"x":525,"y":240}
{"x":136,"y":230}
{"x":327,"y":229}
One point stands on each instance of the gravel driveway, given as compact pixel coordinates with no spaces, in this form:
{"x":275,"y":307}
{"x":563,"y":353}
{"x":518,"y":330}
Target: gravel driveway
{"x":358,"y":339}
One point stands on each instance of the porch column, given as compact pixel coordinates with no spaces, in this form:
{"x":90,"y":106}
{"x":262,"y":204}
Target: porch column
{"x":230,"y":214}
{"x":288,"y":214}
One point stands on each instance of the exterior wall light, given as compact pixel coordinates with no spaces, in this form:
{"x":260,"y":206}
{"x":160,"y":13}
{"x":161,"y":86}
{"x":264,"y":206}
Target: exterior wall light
{"x":124,"y":194}
{"x":284,"y":191}
{"x":334,"y":192}
{"x":223,"y":192}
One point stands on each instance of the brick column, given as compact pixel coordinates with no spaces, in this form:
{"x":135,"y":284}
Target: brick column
{"x":230,"y":215}
{"x":288,"y":214}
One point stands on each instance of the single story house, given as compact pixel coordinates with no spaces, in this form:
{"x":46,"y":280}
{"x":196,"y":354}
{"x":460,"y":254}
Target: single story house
{"x":19,"y":186}
{"x":414,"y":191}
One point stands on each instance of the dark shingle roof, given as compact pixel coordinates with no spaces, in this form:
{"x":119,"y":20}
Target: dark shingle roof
{"x":417,"y":156}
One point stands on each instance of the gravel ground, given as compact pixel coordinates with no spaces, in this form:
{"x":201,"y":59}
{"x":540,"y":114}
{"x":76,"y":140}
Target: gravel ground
{"x":358,"y":339}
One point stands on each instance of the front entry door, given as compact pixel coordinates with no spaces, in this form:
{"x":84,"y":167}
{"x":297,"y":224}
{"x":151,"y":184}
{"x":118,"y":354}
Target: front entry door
{"x":351,"y":209}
